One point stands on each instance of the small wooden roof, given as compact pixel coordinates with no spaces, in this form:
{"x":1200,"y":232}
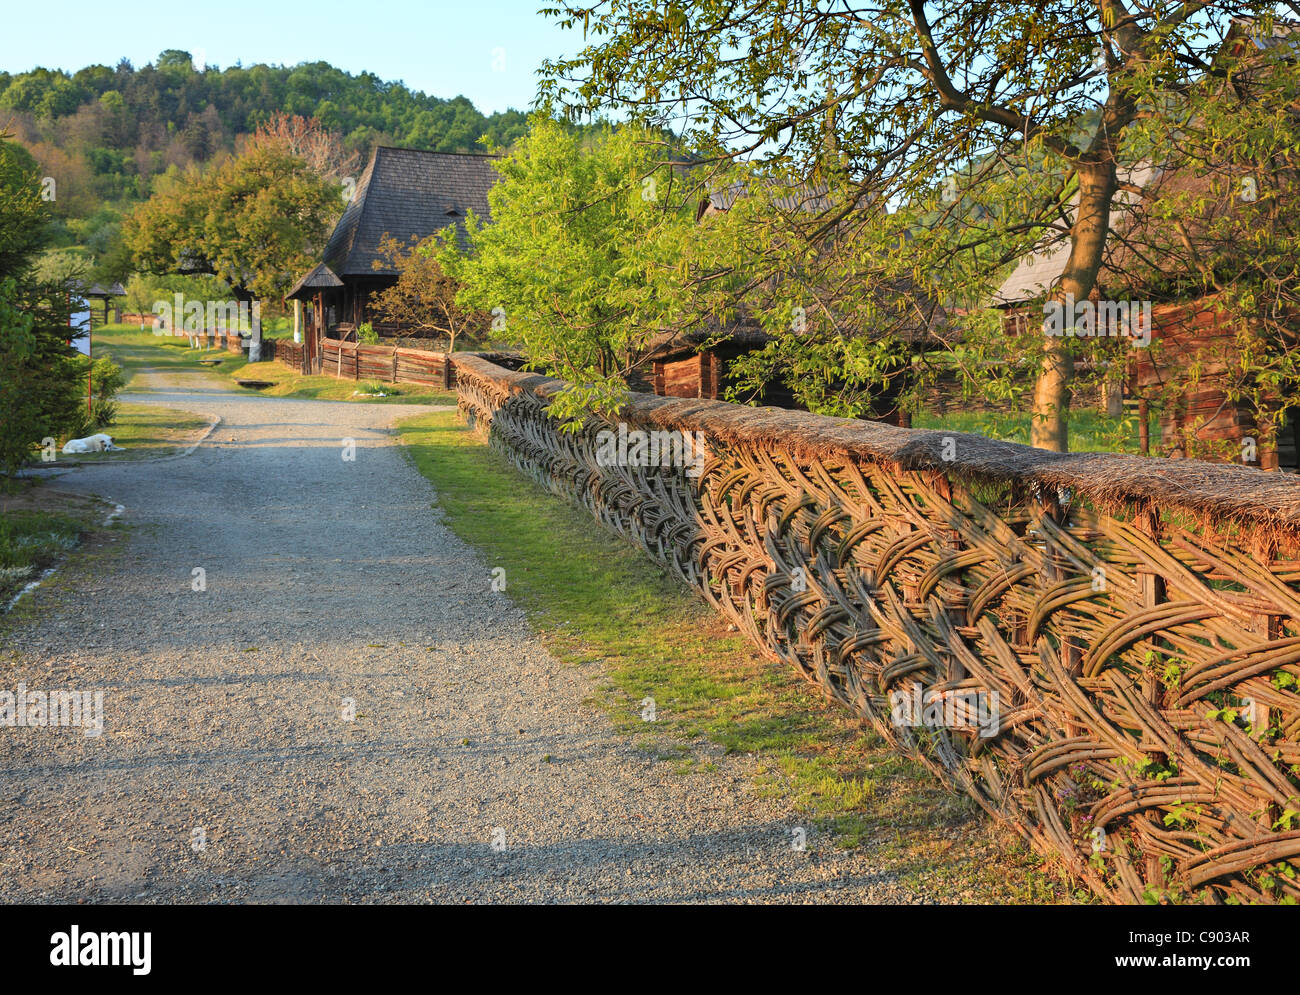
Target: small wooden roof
{"x":320,"y":278}
{"x":98,"y":289}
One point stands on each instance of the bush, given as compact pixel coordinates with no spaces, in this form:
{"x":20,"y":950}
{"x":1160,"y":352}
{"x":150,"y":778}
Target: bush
{"x":106,"y":381}
{"x":38,"y":369}
{"x":367,"y":335}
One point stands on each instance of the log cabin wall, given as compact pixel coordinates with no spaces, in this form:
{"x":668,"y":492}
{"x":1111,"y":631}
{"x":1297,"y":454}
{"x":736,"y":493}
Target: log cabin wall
{"x":705,"y":375}
{"x":1203,"y":422}
{"x":683,"y":377}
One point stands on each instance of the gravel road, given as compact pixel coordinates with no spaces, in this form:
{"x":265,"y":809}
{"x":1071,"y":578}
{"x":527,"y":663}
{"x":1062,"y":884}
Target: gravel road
{"x":228,"y":769}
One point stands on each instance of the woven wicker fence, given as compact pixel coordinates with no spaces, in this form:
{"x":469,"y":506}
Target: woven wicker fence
{"x":1101,"y":650}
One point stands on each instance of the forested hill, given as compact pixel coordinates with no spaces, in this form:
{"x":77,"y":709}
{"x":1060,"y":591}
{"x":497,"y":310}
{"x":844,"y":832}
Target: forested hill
{"x":104,"y":132}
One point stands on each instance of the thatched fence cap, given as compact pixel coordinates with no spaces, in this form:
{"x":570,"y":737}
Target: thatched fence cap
{"x":1223,"y":493}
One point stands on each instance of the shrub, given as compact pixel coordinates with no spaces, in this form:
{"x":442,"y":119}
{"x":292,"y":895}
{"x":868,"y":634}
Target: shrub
{"x":106,"y":381}
{"x":38,"y":369}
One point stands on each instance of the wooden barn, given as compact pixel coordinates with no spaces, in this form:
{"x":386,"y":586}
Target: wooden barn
{"x":1196,"y":369}
{"x":1193,"y":368}
{"x":408,"y":194}
{"x":699,"y":364}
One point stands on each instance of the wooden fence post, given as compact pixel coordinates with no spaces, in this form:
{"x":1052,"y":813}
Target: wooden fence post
{"x":1049,"y":507}
{"x":1151,"y":589}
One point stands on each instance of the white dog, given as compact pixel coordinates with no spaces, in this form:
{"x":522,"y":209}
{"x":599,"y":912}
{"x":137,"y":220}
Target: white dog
{"x":99,"y":443}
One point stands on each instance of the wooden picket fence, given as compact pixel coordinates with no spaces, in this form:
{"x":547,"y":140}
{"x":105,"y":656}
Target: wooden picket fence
{"x":354,"y":361}
{"x":1102,"y":650}
{"x":288,"y":352}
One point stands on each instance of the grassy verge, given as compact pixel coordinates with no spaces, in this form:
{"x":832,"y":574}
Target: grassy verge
{"x":38,"y":527}
{"x":597,"y":601}
{"x":135,"y":351}
{"x":1090,"y":431}
{"x":145,"y":431}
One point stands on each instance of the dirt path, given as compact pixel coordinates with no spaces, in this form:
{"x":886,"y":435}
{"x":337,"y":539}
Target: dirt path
{"x":330,"y":580}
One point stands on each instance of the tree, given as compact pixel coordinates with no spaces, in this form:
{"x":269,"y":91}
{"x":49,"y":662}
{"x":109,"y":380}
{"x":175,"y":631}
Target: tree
{"x":26,"y":220}
{"x":39,"y":375}
{"x":256,"y":221}
{"x":582,"y":231}
{"x":175,"y":59}
{"x":424,"y":297}
{"x":322,"y":151}
{"x":896,"y":95}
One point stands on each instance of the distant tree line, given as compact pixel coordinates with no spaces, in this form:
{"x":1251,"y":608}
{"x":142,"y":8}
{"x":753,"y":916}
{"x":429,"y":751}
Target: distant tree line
{"x":105,"y":134}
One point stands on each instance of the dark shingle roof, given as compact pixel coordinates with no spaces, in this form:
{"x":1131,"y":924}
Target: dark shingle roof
{"x":810,"y":198}
{"x":320,"y":278}
{"x":98,"y":289}
{"x":405,"y":193}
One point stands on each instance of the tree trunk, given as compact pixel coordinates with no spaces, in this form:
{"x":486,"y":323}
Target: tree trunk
{"x":1051,"y":423}
{"x":1112,"y":393}
{"x":255,"y":338}
{"x":1097,"y":185}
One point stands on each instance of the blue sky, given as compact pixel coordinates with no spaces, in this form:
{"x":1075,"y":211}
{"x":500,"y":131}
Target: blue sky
{"x":487,"y":50}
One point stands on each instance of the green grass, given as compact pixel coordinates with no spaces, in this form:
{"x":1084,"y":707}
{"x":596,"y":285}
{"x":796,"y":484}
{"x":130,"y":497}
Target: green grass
{"x":30,"y":541}
{"x":601,"y":605}
{"x":1090,"y":431}
{"x":145,"y":431}
{"x":135,"y":350}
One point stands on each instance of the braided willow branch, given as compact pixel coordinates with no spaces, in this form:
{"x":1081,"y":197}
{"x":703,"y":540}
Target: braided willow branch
{"x":1127,"y":641}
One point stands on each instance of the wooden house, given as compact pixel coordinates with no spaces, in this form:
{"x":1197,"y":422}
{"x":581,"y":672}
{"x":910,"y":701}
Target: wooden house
{"x":699,"y":364}
{"x":407,"y":193}
{"x":1189,"y":330}
{"x":1195,"y":369}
